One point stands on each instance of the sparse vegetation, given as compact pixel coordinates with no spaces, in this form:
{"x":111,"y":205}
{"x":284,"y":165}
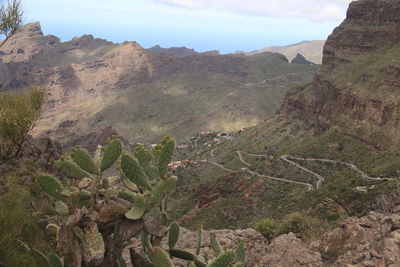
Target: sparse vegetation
{"x":268,"y":228}
{"x":19,"y":112}
{"x":19,"y":232}
{"x":11,"y":16}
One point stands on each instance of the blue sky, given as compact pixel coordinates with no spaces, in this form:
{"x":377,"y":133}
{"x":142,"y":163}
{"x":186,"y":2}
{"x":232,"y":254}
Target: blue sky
{"x":225,"y":25}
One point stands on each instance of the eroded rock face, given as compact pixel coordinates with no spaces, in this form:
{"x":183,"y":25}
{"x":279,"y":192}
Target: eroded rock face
{"x":364,"y":97}
{"x":370,"y":24}
{"x":373,"y":240}
{"x":26,"y":43}
{"x":288,"y":250}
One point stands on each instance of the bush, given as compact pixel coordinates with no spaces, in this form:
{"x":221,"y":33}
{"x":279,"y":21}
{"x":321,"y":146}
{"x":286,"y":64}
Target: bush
{"x":19,"y":112}
{"x":268,"y":228}
{"x":305,"y":227}
{"x":17,"y":226}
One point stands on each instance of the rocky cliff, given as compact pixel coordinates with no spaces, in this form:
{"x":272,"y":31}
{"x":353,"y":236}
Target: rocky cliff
{"x":370,"y":25}
{"x":357,"y":89}
{"x":26,"y":43}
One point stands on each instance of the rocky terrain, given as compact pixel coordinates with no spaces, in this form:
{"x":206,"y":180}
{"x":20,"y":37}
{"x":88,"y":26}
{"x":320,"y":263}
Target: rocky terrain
{"x":348,"y":116}
{"x":372,"y":240}
{"x":363,"y":102}
{"x":311,"y":50}
{"x":92,"y":84}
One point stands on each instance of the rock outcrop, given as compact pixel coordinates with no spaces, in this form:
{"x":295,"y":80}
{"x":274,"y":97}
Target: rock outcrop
{"x":288,"y":250}
{"x":372,"y":240}
{"x":370,"y":25}
{"x":357,"y":88}
{"x":299,"y":59}
{"x":26,"y":43}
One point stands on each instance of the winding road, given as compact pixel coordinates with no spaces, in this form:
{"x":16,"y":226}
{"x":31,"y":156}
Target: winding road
{"x":289,"y":159}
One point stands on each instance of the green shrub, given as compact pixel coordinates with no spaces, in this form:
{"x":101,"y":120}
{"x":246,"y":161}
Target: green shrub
{"x":305,"y":227}
{"x":268,"y":228}
{"x":18,"y":230}
{"x":19,"y":112}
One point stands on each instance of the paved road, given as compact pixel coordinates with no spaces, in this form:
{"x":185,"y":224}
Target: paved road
{"x":319,"y":177}
{"x":289,"y":159}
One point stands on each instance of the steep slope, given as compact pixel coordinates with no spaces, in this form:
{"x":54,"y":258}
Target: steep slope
{"x":311,"y":50}
{"x":30,"y":41}
{"x":93,"y":84}
{"x":357,"y":89}
{"x":339,"y":134}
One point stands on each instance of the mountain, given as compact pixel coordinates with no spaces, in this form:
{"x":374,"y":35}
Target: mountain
{"x":299,"y":59}
{"x":333,"y":148}
{"x":92,"y":84}
{"x":179,"y":51}
{"x":311,"y":50}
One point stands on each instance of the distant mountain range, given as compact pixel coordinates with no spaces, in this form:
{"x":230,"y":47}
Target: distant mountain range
{"x":311,"y":50}
{"x":179,"y":51}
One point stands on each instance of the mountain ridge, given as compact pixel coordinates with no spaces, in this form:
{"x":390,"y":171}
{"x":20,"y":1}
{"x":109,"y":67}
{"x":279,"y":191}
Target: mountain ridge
{"x":92,"y":84}
{"x":311,"y":50}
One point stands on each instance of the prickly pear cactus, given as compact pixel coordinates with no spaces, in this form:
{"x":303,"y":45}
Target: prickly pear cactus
{"x":98,"y":215}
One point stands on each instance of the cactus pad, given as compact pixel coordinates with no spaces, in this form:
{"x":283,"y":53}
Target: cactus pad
{"x":51,"y":186}
{"x":138,"y":209}
{"x":162,"y":189}
{"x":165,"y":157}
{"x":222,"y":260}
{"x":160,"y":258}
{"x":84,"y":160}
{"x":111,"y":154}
{"x":71,"y":169}
{"x":173,"y":234}
{"x":132,"y":169}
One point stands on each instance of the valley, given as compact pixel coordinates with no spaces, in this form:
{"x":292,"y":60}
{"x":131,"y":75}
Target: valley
{"x":93,"y":84}
{"x":301,"y":161}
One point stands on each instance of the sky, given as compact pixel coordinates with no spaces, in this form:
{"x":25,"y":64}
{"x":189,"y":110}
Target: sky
{"x":224,"y":25}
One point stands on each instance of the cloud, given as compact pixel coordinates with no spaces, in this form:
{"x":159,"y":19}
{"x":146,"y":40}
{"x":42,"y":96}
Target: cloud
{"x":317,"y":10}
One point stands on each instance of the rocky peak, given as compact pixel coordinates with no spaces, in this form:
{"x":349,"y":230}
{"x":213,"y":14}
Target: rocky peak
{"x":370,"y":24}
{"x":299,"y":59}
{"x":25,"y":43}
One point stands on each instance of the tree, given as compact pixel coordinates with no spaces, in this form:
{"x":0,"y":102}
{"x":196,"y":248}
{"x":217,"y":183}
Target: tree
{"x":11,"y":16}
